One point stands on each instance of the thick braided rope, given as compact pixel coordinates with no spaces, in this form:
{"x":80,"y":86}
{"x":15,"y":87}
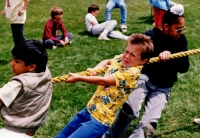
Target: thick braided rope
{"x":152,"y":60}
{"x":177,"y":55}
{"x":84,"y":73}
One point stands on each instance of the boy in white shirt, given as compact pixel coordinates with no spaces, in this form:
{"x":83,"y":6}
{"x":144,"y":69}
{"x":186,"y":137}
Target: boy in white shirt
{"x":103,"y":29}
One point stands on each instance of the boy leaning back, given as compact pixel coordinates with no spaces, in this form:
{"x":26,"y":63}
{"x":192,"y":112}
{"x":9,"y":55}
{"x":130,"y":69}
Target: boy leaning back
{"x":25,"y":99}
{"x":113,"y":89}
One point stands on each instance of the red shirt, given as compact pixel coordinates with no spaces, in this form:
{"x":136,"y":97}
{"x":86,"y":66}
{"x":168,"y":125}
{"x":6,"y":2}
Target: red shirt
{"x":51,"y":30}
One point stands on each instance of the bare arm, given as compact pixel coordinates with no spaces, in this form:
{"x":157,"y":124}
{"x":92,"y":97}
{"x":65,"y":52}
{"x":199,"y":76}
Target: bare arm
{"x":103,"y":64}
{"x":3,"y":12}
{"x":94,"y":23}
{"x":97,"y":80}
{"x":23,"y":8}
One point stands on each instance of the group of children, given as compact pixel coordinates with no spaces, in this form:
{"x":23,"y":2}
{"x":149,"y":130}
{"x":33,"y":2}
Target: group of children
{"x":25,"y":99}
{"x":15,"y":11}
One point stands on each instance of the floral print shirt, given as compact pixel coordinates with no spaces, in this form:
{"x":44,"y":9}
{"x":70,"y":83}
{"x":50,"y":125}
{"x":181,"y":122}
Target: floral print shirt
{"x":107,"y":99}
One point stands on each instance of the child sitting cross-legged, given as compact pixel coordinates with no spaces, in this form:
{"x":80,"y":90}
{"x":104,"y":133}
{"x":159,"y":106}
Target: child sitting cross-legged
{"x":113,"y":89}
{"x":50,"y":37}
{"x":25,"y":99}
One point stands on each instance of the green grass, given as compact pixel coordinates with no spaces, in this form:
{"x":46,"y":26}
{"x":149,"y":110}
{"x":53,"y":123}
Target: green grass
{"x":86,"y":51}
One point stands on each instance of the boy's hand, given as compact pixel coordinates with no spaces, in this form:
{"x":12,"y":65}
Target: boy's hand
{"x":92,"y":73}
{"x":3,"y":12}
{"x":164,"y":56}
{"x":63,"y":43}
{"x":72,"y":78}
{"x":66,"y":40}
{"x":21,"y":12}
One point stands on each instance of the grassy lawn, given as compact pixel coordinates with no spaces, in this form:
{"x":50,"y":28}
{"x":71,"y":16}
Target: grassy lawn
{"x":86,"y":51}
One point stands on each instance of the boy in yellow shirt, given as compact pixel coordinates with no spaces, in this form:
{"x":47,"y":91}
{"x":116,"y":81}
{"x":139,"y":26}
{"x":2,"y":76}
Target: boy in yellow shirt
{"x":113,"y":89}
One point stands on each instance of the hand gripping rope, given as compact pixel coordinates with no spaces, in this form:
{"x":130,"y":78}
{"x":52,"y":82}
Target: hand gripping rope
{"x":152,"y":60}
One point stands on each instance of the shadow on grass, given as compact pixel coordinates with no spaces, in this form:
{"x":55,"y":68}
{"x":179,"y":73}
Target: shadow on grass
{"x":4,"y":62}
{"x":85,"y":33}
{"x":145,"y":19}
{"x":191,"y":128}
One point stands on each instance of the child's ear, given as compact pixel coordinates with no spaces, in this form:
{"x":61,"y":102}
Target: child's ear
{"x":144,"y":61}
{"x":32,"y":67}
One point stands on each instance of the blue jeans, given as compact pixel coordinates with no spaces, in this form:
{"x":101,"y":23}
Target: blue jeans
{"x":123,"y":11}
{"x":83,"y":125}
{"x":17,"y":32}
{"x":48,"y":43}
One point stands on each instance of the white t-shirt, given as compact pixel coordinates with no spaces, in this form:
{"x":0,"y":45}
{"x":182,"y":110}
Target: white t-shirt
{"x":88,"y":19}
{"x":9,"y":92}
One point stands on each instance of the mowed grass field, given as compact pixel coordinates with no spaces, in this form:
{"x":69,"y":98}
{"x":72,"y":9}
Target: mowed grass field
{"x":87,"y":51}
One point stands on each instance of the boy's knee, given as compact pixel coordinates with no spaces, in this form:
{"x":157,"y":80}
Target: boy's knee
{"x":114,"y":22}
{"x":49,"y":42}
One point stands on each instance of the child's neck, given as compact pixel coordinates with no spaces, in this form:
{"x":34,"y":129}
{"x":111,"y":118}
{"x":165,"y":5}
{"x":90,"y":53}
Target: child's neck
{"x":55,"y":20}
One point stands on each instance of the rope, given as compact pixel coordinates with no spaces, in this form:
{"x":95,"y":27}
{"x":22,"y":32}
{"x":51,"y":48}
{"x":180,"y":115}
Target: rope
{"x":177,"y":55}
{"x":84,"y":73}
{"x":152,"y":60}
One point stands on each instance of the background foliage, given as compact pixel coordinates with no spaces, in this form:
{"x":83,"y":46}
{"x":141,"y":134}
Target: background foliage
{"x":86,"y":51}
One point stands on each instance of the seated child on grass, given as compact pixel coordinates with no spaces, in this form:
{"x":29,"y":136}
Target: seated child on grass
{"x":25,"y":99}
{"x":102,"y":30}
{"x":113,"y":89}
{"x":50,"y":37}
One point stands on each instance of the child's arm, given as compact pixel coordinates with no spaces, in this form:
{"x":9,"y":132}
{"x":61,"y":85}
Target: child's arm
{"x":3,"y":12}
{"x":93,"y":23}
{"x":24,"y":8}
{"x":97,"y":80}
{"x":103,"y":64}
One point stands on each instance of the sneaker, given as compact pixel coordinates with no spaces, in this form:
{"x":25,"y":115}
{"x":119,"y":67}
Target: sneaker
{"x":70,"y":42}
{"x":197,"y":121}
{"x":123,"y":28}
{"x":54,"y":47}
{"x":103,"y":37}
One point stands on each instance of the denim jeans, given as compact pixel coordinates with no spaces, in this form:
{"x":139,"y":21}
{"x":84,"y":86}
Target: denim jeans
{"x":83,"y":125}
{"x":123,"y":11}
{"x":17,"y":32}
{"x":48,"y":43}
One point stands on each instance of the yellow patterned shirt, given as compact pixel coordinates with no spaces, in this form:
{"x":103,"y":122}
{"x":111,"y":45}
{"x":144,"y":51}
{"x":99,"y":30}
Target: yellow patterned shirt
{"x":107,"y":99}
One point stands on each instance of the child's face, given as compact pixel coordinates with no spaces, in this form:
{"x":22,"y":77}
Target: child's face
{"x":58,"y":16}
{"x":95,"y":13}
{"x":18,"y":66}
{"x":132,"y":56}
{"x":175,"y":30}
